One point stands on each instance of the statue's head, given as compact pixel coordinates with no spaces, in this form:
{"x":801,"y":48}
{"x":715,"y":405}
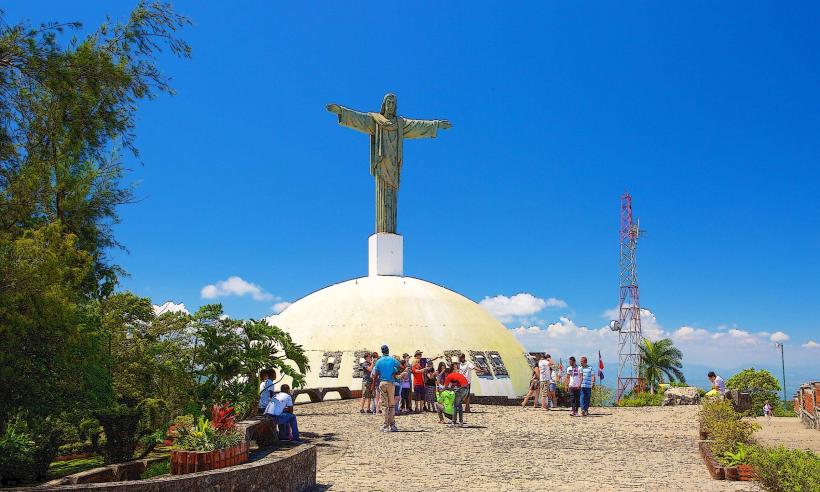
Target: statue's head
{"x":389,"y":104}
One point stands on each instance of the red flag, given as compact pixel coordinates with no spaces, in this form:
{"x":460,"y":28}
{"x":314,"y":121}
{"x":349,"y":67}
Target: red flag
{"x":600,"y":367}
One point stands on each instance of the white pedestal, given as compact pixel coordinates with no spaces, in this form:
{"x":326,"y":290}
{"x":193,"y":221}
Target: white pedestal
{"x":385,"y":254}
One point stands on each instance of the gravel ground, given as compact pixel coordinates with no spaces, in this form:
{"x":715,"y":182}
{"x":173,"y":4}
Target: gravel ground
{"x":509,"y":448}
{"x":788,"y":431}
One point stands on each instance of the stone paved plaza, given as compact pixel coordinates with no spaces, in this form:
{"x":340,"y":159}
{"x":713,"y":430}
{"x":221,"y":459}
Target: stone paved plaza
{"x":509,"y":448}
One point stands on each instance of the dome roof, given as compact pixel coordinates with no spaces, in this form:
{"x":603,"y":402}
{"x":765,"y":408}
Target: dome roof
{"x":407,"y":314}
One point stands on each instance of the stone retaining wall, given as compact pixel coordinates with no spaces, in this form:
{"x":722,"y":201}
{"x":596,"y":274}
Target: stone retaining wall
{"x":292,"y":470}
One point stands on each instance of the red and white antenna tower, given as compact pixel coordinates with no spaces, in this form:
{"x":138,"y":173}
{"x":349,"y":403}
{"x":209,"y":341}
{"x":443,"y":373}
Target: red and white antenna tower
{"x":628,"y":325}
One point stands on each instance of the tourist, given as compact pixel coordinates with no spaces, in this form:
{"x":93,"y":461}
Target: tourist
{"x":385,"y":370}
{"x":457,"y":382}
{"x":544,"y":377}
{"x":406,"y":379}
{"x":572,"y":383}
{"x":444,"y":405}
{"x":767,"y":410}
{"x":417,"y":370}
{"x":376,"y":406}
{"x":441,"y":373}
{"x":266,"y":377}
{"x":555,"y":375}
{"x":587,"y":382}
{"x":534,"y":388}
{"x":430,"y":387}
{"x":466,"y":369}
{"x":281,"y":409}
{"x":718,"y":385}
{"x":366,"y":367}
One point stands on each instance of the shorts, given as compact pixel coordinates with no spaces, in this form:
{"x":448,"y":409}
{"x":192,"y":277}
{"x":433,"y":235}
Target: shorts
{"x":553,"y":387}
{"x":534,"y":385}
{"x":430,"y":394}
{"x":367,"y":389}
{"x":418,"y":393}
{"x":545,"y":388}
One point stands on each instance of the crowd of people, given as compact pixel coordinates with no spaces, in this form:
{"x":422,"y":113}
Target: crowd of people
{"x":577,"y":381}
{"x":392,"y":385}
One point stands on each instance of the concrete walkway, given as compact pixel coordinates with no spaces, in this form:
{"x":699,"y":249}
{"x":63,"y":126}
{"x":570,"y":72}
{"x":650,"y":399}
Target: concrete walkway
{"x":509,"y":448}
{"x":788,"y":431}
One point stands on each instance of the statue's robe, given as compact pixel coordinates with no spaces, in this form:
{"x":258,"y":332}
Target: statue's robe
{"x":386,"y":156}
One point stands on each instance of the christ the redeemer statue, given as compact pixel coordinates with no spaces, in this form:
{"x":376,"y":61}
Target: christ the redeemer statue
{"x":387,"y":132}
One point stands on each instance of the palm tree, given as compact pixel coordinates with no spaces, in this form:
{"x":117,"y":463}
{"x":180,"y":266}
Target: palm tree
{"x":661,"y":362}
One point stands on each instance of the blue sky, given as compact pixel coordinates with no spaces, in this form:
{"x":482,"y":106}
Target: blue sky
{"x":707,"y":113}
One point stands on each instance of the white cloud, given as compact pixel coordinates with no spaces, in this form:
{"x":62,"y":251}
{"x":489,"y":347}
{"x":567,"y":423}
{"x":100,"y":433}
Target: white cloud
{"x":280,"y":306}
{"x":169,"y":307}
{"x":811,"y":344}
{"x":779,"y":336}
{"x":690,"y":333}
{"x":507,"y":309}
{"x":555,"y":303}
{"x":235,"y":286}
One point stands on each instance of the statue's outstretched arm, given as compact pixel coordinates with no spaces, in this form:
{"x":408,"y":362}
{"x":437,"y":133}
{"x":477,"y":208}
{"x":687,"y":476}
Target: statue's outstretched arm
{"x":424,"y":128}
{"x":350,"y":118}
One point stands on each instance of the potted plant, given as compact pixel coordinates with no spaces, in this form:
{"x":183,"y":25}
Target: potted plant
{"x":208,"y":444}
{"x":737,"y":467}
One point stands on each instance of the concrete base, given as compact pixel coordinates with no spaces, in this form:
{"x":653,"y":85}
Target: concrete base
{"x":385,"y":254}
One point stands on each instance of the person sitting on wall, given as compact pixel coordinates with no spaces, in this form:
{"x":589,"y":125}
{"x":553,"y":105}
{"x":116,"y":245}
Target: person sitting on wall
{"x":718,"y":385}
{"x":281,"y":409}
{"x":266,"y":377}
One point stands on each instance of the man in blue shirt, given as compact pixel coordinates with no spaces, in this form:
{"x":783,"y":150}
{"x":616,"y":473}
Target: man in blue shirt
{"x":385,"y":370}
{"x":587,"y":382}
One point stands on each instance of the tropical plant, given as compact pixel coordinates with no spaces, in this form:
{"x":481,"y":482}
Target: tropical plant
{"x":228,"y":354}
{"x":207,"y":435}
{"x":760,"y":384}
{"x":781,"y":469}
{"x":737,"y":457}
{"x":661,"y":362}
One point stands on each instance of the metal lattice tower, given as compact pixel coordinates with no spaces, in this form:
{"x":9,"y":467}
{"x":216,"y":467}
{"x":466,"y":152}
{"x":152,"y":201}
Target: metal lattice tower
{"x":629,"y":308}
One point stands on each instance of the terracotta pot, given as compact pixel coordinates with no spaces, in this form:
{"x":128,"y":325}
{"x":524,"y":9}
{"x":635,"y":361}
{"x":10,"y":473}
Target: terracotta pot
{"x":196,"y":461}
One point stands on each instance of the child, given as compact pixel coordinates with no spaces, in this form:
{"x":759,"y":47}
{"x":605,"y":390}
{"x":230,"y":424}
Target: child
{"x":767,"y":410}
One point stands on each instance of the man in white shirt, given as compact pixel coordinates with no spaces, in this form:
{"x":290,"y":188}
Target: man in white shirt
{"x":718,"y":385}
{"x":281,"y":409}
{"x":573,"y":386}
{"x":466,"y":369}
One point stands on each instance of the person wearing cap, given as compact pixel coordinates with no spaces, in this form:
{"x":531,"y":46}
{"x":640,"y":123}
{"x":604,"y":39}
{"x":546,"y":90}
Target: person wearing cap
{"x":385,"y":370}
{"x":418,"y":382}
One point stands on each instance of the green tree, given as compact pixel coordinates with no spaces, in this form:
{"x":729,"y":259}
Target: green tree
{"x":661,"y":362}
{"x":760,"y":384}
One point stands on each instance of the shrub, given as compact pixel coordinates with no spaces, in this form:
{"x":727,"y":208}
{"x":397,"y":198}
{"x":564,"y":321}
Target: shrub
{"x":157,"y":469}
{"x":784,"y":410}
{"x":716,"y":411}
{"x":601,"y":396}
{"x":26,"y":449}
{"x":121,"y":426}
{"x":641,"y":400}
{"x":783,"y":469}
{"x":760,"y":384}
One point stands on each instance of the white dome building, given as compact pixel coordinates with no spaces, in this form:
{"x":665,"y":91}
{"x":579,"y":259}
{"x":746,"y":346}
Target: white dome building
{"x":337,"y":324}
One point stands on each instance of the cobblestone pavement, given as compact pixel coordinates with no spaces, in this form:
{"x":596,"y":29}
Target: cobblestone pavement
{"x":788,"y":431}
{"x":509,"y":448}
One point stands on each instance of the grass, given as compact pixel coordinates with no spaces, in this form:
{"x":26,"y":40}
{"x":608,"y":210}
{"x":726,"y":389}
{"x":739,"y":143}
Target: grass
{"x":59,"y":469}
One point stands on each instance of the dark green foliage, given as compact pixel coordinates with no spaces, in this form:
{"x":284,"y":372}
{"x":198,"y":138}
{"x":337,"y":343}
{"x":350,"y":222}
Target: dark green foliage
{"x":121,"y":427}
{"x":661,"y":362}
{"x":66,"y":106}
{"x":59,"y":469}
{"x":26,"y":449}
{"x":760,"y":384}
{"x":781,"y":469}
